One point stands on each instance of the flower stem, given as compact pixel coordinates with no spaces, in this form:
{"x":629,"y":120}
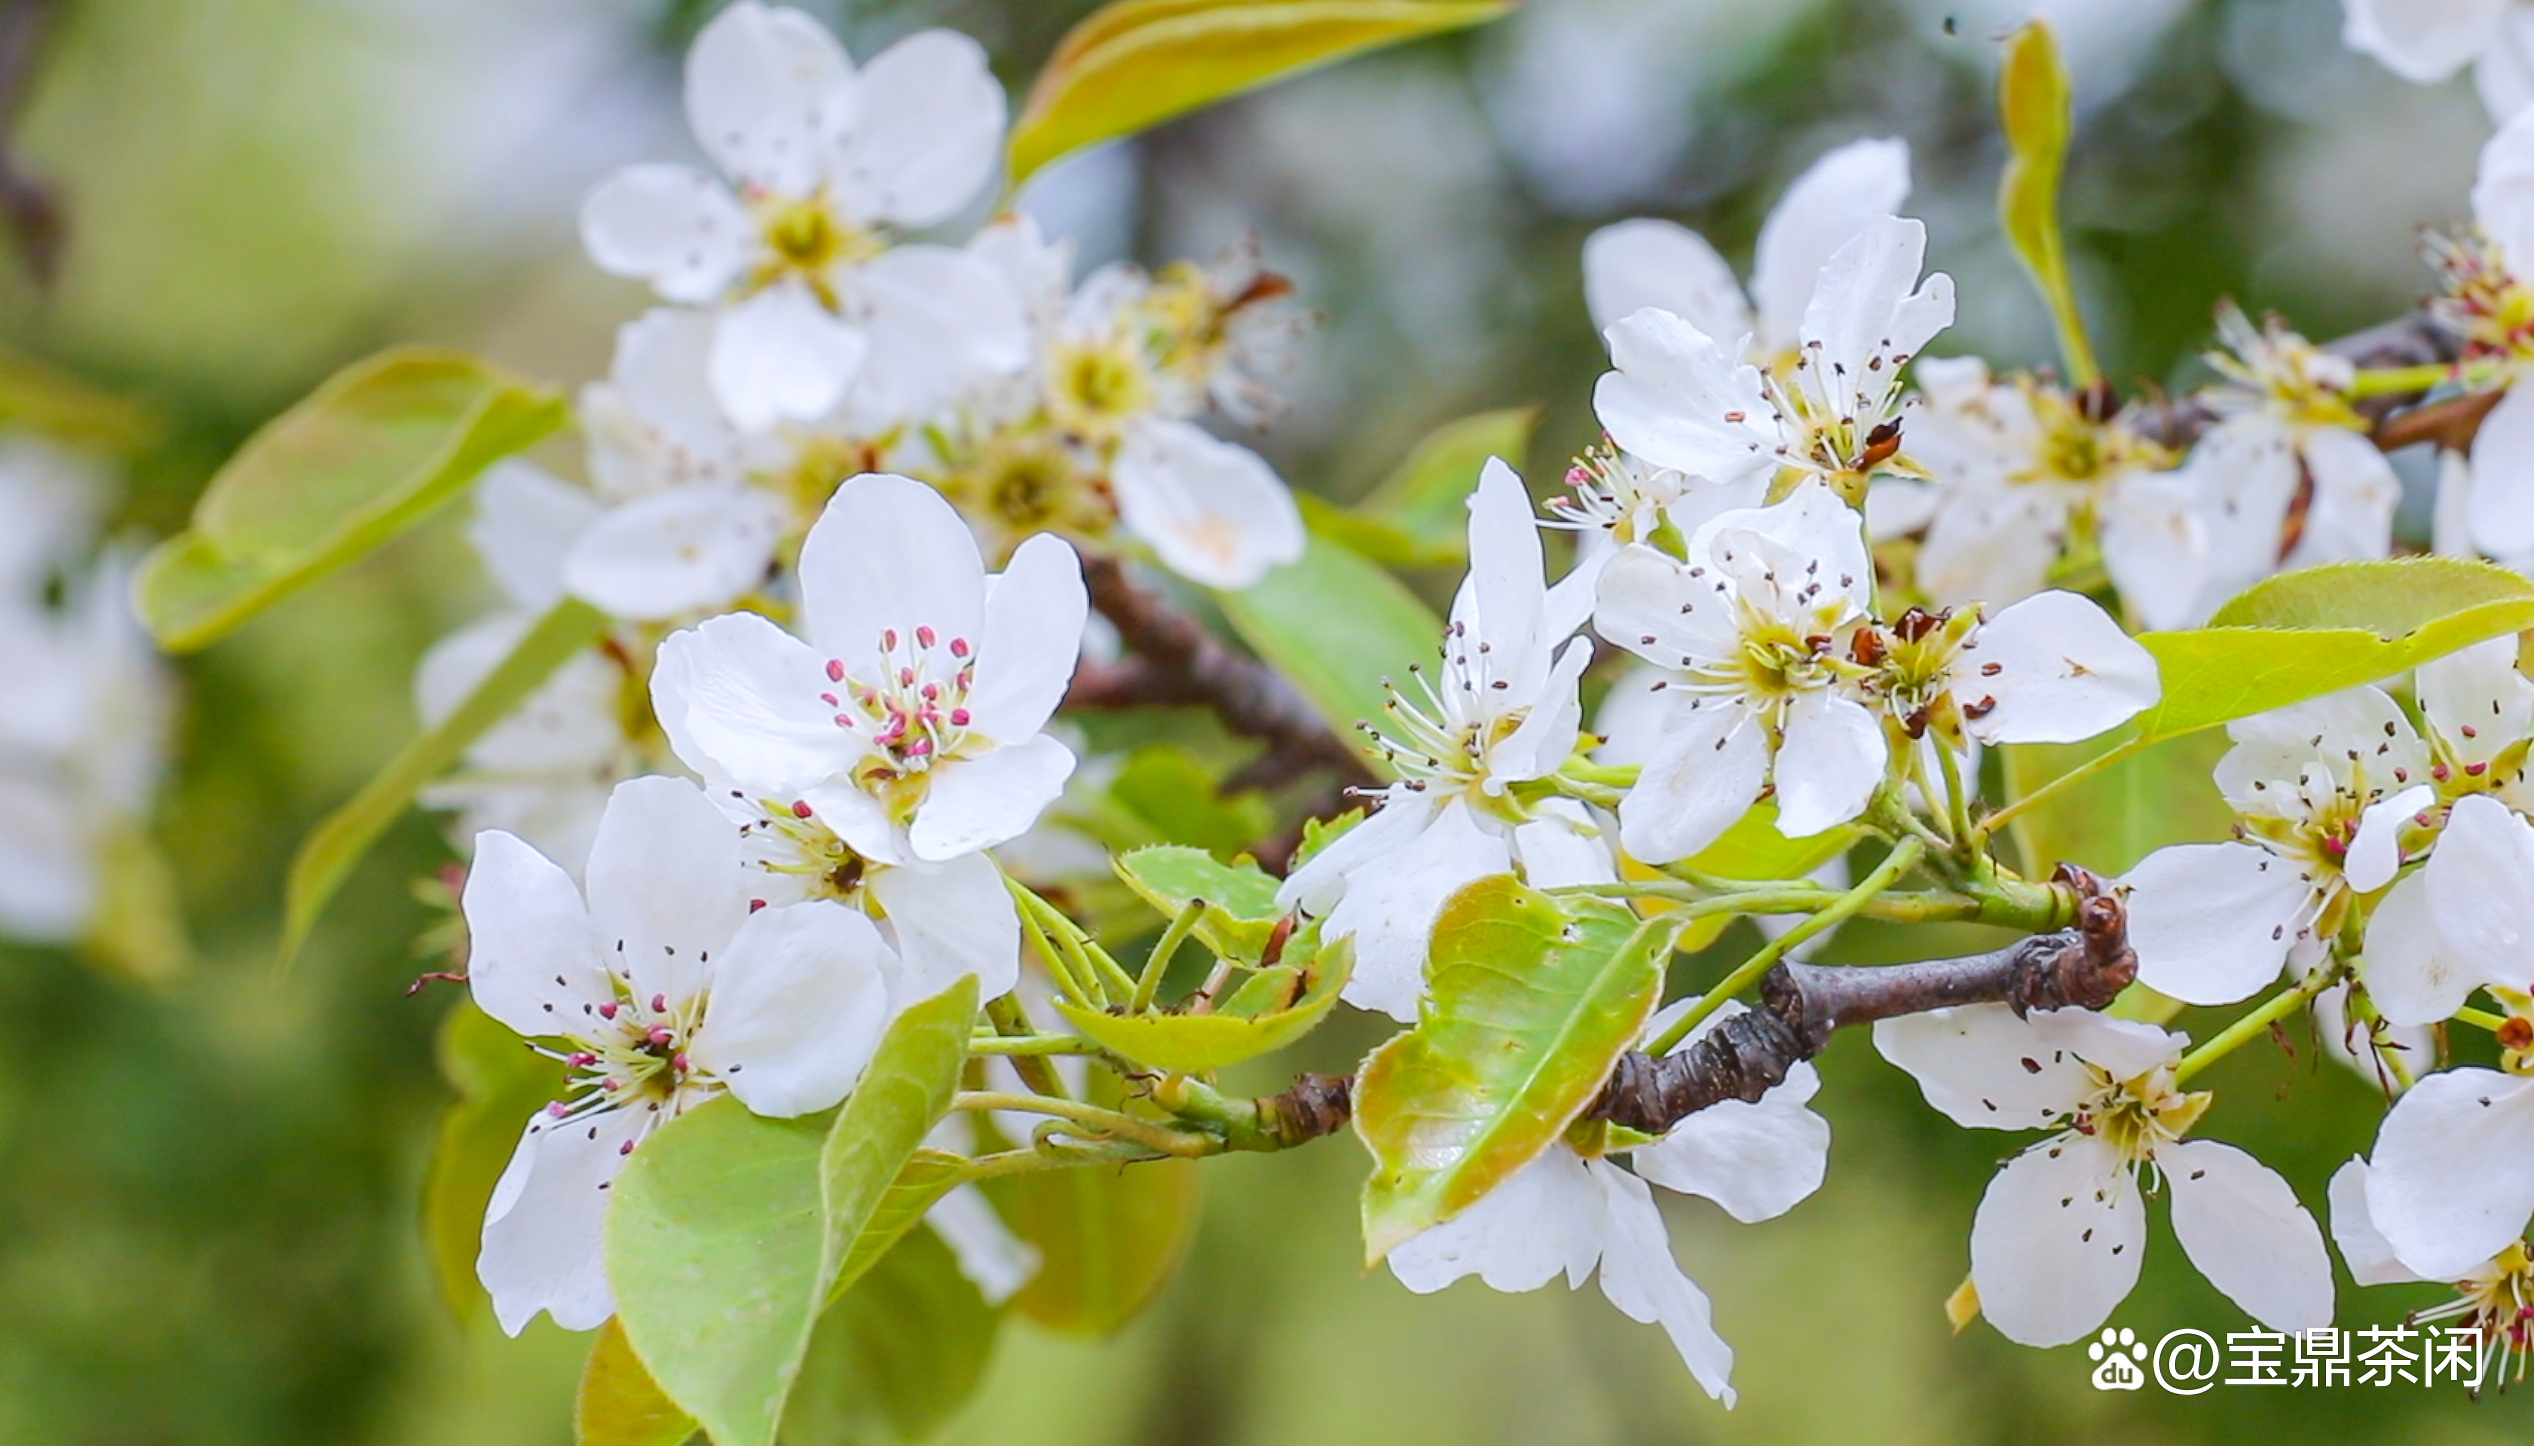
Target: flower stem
{"x":1107,"y":1123}
{"x":1158,"y":962}
{"x":2279,"y":1006}
{"x":1032,"y":1045}
{"x":2390,"y":381}
{"x":1011,"y":1021}
{"x":1898,"y":862}
{"x":1988,"y":827}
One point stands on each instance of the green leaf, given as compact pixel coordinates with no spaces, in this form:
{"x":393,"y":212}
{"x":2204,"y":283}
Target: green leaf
{"x":1178,"y":797}
{"x":2034,"y":108}
{"x":898,"y":1358}
{"x":2328,"y":628}
{"x":1275,"y":1007}
{"x":1529,"y":1006}
{"x":138,"y":930}
{"x":729,"y":1229}
{"x":928,"y":1175}
{"x":1240,"y":899}
{"x":337,"y":844}
{"x":1427,"y":498}
{"x":500,"y":1083}
{"x":619,"y":1404}
{"x":1135,"y":63}
{"x":370,"y":453}
{"x":43,"y":398}
{"x":1108,"y":1240}
{"x":2123,"y":813}
{"x":1336,"y":625}
{"x":1753,"y":849}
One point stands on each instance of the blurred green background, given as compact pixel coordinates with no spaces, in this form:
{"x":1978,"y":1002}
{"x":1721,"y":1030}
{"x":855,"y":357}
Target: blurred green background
{"x":207,"y":1190}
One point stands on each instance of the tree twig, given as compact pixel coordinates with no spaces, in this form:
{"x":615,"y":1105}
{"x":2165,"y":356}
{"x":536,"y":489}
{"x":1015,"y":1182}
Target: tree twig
{"x":27,"y":204}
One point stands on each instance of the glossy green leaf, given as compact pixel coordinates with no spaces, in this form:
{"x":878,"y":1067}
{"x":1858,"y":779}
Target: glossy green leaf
{"x":2389,"y":597}
{"x":2127,"y":811}
{"x":371,"y":452}
{"x":1108,"y":1240}
{"x":1135,"y":63}
{"x":729,"y":1229}
{"x":337,"y":844}
{"x":1753,"y":849}
{"x":618,"y":1403}
{"x":1531,"y":1000}
{"x":1336,"y":625}
{"x":1427,"y":498}
{"x":2034,"y":108}
{"x":928,"y":1175}
{"x":43,"y":398}
{"x":1241,"y":911}
{"x":1167,"y":789}
{"x":897,"y":1359}
{"x":500,"y":1083}
{"x":2218,"y":674}
{"x":1270,"y":1010}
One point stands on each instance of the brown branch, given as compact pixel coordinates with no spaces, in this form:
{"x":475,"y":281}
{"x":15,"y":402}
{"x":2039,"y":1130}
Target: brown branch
{"x":1175,"y":661}
{"x":27,"y":204}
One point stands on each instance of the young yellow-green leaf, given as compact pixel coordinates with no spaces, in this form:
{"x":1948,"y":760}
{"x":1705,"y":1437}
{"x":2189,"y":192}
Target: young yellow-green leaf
{"x":2390,"y":597}
{"x":1530,"y":1002}
{"x":1336,"y":625}
{"x":1168,"y":790}
{"x":728,"y":1229}
{"x":899,"y":1357}
{"x":1135,"y":63}
{"x":1272,"y":1009}
{"x":1427,"y":498}
{"x":927,"y":1176}
{"x":1240,"y":899}
{"x":335,"y":845}
{"x":2217,"y":675}
{"x":43,"y":398}
{"x":368,"y":454}
{"x":2122,"y":814}
{"x":500,"y":1083}
{"x":618,"y":1403}
{"x":2034,"y":108}
{"x":1108,"y":1239}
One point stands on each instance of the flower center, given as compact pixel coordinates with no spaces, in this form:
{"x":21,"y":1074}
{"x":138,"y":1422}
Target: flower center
{"x":2479,"y":300}
{"x":2137,"y":1117}
{"x":1098,"y":387}
{"x":1448,"y":736}
{"x":792,"y":845}
{"x":911,"y":708}
{"x":2497,"y":1303}
{"x":804,"y":237}
{"x":632,"y":1051}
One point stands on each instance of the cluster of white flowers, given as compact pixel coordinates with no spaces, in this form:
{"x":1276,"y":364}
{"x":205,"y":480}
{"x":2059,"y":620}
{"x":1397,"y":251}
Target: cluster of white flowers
{"x":82,"y":711}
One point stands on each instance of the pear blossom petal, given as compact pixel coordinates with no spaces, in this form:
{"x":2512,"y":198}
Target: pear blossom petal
{"x":993,"y":1259}
{"x":1634,"y":264}
{"x":761,"y":84}
{"x":654,"y":422}
{"x":1213,"y":511}
{"x":2056,"y":1242}
{"x":1505,"y":595}
{"x":2123,"y":1048}
{"x":781,"y":354}
{"x":1868,"y":305}
{"x":526,"y":520}
{"x":2063,"y":672}
{"x":739,"y":699}
{"x":532,"y":962}
{"x":2363,"y":1248}
{"x":1546,"y":735}
{"x":1987,"y":544}
{"x":2355,"y":493}
{"x":1832,"y":760}
{"x":665,"y":885}
{"x":889,"y":555}
{"x":950,"y":920}
{"x":927,"y":130}
{"x":798,"y":1004}
{"x":2157,"y":547}
{"x":1544,"y":1221}
{"x":1757,"y":1159}
{"x":1321,"y":881}
{"x":1836,"y":198}
{"x":1561,"y":846}
{"x":1981,"y":1066}
{"x":1639,"y":1276}
{"x":2452,"y":1180}
{"x":2245,"y":1230}
{"x":2481,"y":892}
{"x":681,"y":551}
{"x":2502,"y":498}
{"x":672,"y":226}
{"x":1679,"y":398}
{"x":541,"y":1240}
{"x":2421,"y":40}
{"x":2505,"y":73}
{"x":2503,"y":205}
{"x":2375,"y":851}
{"x":2476,"y":701}
{"x":1706,"y":773}
{"x":940,"y":322}
{"x":1035,"y":611}
{"x":2213,"y":923}
{"x":975,"y":803}
{"x":1650,"y":605}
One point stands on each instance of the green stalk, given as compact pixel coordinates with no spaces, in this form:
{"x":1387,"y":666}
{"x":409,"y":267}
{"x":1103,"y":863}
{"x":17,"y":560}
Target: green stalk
{"x":1158,"y":962}
{"x":1898,"y":862}
{"x":1105,"y":1122}
{"x":2279,"y":1006}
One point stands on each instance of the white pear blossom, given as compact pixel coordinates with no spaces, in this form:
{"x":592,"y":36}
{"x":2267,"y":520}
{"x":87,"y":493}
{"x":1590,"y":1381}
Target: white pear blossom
{"x":2451,"y":1181}
{"x":2059,"y":1234}
{"x":826,"y":164}
{"x":2053,"y":668}
{"x":1641,"y":263}
{"x":2321,"y":790}
{"x":2426,"y":41}
{"x":2484,"y":301}
{"x":2495,"y":1299}
{"x":876,"y":758}
{"x":1502,"y":711}
{"x":1565,"y":1213}
{"x":658,"y":990}
{"x":1752,"y":633}
{"x":1682,"y":398}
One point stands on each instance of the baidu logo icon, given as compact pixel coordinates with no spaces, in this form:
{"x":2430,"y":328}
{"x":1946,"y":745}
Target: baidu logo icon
{"x":2119,"y":1351}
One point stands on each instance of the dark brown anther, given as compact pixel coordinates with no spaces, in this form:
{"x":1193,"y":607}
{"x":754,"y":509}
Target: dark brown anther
{"x":1918,"y":623}
{"x":1881,"y":445}
{"x":2098,"y":403}
{"x":2515,"y":1032}
{"x":1867,"y":649}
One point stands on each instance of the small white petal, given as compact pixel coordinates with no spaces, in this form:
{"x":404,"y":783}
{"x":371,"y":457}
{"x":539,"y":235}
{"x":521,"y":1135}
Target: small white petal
{"x":1561,"y":846}
{"x":1544,"y":1221}
{"x":531,"y":962}
{"x":1642,"y":263}
{"x":1981,"y":1066}
{"x":739,"y":700}
{"x":1213,"y":511}
{"x":950,"y":920}
{"x":1641,"y":1279}
{"x":2065,"y":672}
{"x":1679,"y":399}
{"x":993,"y":1259}
{"x":2246,"y":1231}
{"x":2452,"y":1180}
{"x":2502,"y":498}
{"x":2057,"y":1240}
{"x":1706,"y":773}
{"x":941,"y":323}
{"x":889,"y":554}
{"x":1757,"y":1160}
{"x":541,"y":1242}
{"x":2363,"y":1248}
{"x":760,"y":84}
{"x":2421,"y":40}
{"x":975,"y":803}
{"x":2213,"y":923}
{"x":2478,"y":689}
{"x":672,"y":226}
{"x":2481,"y":892}
{"x":1035,"y":611}
{"x":927,"y":129}
{"x":665,"y":888}
{"x":798,"y":1004}
{"x":1838,"y":196}
{"x":686,"y":550}
{"x":781,"y":354}
{"x":1390,"y":905}
{"x":2375,"y":851}
{"x":526,"y":520}
{"x":2503,"y":204}
{"x":1830,"y":764}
